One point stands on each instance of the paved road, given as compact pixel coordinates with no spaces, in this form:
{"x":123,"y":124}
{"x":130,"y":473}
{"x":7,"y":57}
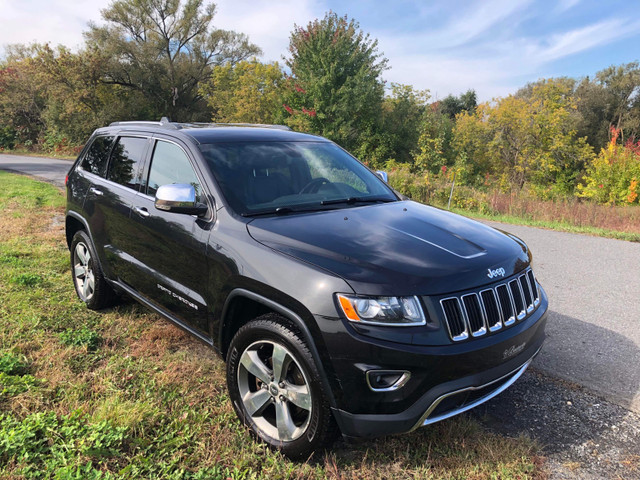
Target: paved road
{"x":594,"y":289}
{"x":50,"y":169}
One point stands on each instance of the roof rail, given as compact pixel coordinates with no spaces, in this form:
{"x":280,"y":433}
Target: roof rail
{"x":164,"y":122}
{"x":255,"y":125}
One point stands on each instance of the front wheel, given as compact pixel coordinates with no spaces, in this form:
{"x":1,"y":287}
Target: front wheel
{"x":275,"y":388}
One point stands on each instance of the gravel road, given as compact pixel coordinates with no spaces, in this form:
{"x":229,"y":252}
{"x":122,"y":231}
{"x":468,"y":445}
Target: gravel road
{"x":581,"y":398}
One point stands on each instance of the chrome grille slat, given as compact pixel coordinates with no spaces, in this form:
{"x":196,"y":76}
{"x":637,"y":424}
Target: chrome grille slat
{"x":491,"y":310}
{"x":475,"y":314}
{"x":455,"y":319}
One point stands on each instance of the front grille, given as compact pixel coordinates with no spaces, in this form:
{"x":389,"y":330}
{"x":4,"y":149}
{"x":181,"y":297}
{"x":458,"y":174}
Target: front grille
{"x":474,"y":315}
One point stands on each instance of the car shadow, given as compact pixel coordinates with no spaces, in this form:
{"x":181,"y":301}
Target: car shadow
{"x":574,"y":425}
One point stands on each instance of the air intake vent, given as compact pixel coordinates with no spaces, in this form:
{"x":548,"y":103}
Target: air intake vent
{"x":455,"y":320}
{"x":490,"y":302}
{"x":516,"y":294}
{"x":475,"y":314}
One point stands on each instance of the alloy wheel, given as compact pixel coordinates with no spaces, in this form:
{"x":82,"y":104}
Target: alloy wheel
{"x":83,"y":271}
{"x":274,"y":390}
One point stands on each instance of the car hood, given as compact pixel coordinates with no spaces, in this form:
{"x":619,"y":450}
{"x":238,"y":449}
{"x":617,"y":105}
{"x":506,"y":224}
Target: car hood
{"x":398,"y":248}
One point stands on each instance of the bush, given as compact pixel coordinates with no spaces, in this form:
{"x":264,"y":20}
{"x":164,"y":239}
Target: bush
{"x":613,"y":177}
{"x":7,"y":138}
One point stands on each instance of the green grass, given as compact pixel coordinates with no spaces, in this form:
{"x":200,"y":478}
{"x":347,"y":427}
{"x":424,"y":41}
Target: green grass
{"x":123,"y":394}
{"x":551,"y":225}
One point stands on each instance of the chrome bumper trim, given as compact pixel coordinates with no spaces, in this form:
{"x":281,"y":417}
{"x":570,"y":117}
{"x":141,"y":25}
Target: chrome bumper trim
{"x":515,"y":375}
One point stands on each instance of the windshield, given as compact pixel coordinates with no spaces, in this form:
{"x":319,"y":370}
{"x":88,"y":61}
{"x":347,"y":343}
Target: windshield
{"x":283,"y":177}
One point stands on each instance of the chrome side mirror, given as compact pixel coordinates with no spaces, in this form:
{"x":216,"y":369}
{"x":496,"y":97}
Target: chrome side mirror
{"x":178,"y":198}
{"x":383,"y":175}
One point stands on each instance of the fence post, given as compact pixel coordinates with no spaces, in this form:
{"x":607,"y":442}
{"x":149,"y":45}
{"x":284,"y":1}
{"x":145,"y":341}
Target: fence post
{"x":451,"y":194}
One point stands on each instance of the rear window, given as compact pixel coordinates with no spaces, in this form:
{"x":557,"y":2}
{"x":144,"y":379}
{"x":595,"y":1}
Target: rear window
{"x":96,"y":159}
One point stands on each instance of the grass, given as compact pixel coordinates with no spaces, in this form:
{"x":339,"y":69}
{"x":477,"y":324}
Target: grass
{"x":562,"y":226}
{"x":124,"y":394}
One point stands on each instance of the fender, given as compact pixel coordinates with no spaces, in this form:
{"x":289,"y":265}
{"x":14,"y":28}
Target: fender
{"x":290,"y":315}
{"x":81,"y":219}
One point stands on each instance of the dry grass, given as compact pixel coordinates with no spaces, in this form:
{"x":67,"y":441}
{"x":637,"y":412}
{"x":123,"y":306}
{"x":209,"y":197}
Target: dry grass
{"x":572,"y":212}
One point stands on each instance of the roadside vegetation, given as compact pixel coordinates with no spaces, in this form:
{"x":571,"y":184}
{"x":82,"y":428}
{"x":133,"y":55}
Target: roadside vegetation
{"x":124,"y":394}
{"x":558,"y":144}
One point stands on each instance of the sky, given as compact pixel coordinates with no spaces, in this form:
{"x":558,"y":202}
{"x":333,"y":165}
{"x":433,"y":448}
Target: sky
{"x":492,"y":46}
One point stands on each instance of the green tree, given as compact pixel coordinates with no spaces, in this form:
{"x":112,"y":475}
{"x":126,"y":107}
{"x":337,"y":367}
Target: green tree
{"x":335,"y":88}
{"x":402,"y":116}
{"x":248,"y":91}
{"x":165,"y":49}
{"x":452,"y":106}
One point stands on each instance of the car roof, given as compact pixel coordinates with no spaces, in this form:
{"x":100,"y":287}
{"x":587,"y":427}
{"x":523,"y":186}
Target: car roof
{"x":216,"y":133}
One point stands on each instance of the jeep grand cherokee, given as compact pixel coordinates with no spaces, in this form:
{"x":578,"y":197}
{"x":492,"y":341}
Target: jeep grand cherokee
{"x":338,"y":305}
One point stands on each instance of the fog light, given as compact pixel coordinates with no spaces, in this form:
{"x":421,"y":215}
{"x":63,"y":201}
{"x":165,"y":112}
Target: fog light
{"x":387,"y":380}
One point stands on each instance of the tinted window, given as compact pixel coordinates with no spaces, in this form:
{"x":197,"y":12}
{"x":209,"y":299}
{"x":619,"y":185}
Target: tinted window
{"x":171,"y":165}
{"x":125,"y":161}
{"x":95,"y":160}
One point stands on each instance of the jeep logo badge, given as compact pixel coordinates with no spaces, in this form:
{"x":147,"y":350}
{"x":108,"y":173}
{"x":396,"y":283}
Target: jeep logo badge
{"x":498,"y":272}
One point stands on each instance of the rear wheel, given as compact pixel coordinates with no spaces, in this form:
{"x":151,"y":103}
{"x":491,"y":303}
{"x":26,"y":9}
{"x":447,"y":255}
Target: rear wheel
{"x":91,"y":286}
{"x":276,"y":390}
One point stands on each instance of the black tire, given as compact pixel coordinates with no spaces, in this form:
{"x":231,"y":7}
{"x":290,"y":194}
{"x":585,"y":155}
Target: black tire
{"x":309,"y":430}
{"x":98,"y":294}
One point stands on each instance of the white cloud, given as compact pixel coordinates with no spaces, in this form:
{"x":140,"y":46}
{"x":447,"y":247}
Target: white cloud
{"x":268,"y":24}
{"x":57,"y":22}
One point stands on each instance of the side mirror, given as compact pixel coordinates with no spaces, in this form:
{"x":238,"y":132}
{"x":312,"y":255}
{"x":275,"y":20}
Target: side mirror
{"x":383,"y":175}
{"x":179,"y":198}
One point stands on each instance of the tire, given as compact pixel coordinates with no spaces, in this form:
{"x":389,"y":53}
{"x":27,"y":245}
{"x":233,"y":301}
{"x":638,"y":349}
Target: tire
{"x":290,"y":413}
{"x":88,"y":279}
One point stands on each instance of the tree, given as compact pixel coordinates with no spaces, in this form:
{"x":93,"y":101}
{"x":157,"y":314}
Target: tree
{"x":530,"y":139}
{"x":248,"y":91}
{"x":452,"y":106}
{"x":623,"y":85}
{"x":165,"y":49}
{"x":402,"y":116}
{"x":335,"y":88}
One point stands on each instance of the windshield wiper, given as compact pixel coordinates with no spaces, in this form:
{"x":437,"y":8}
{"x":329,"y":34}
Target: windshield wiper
{"x":357,"y":200}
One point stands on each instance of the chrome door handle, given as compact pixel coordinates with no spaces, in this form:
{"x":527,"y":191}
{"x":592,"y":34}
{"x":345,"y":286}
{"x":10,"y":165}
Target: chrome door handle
{"x":142,"y":211}
{"x":95,"y":191}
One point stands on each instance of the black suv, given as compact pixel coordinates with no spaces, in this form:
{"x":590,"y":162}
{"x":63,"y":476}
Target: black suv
{"x":338,"y":304}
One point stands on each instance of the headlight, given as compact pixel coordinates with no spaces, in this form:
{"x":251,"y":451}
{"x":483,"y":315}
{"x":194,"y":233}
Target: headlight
{"x":391,"y":311}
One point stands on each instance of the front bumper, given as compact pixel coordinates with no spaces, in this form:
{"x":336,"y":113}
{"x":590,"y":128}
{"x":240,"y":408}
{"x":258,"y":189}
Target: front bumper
{"x":445,"y":380}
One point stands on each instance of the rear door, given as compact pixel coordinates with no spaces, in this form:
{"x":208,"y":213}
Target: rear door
{"x":108,"y":205}
{"x":171,"y":248}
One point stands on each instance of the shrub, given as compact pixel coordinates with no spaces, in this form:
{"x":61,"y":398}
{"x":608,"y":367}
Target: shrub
{"x":613,"y":177}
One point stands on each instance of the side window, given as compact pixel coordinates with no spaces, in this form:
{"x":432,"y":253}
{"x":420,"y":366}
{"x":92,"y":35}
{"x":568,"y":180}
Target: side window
{"x":125,"y":161}
{"x":171,"y":165}
{"x":95,"y":160}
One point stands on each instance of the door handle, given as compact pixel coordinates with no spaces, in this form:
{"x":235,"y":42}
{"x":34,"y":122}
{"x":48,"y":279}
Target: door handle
{"x":142,"y":211}
{"x":95,"y":191}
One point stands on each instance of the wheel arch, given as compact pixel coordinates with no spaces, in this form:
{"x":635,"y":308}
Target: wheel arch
{"x":73,"y":223}
{"x":252,"y":305}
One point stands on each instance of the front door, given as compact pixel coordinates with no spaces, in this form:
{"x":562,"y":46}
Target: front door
{"x":171,"y":248}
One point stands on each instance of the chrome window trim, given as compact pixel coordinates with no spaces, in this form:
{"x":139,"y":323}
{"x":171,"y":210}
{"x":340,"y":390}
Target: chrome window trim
{"x":482,"y":330}
{"x":465,"y":334}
